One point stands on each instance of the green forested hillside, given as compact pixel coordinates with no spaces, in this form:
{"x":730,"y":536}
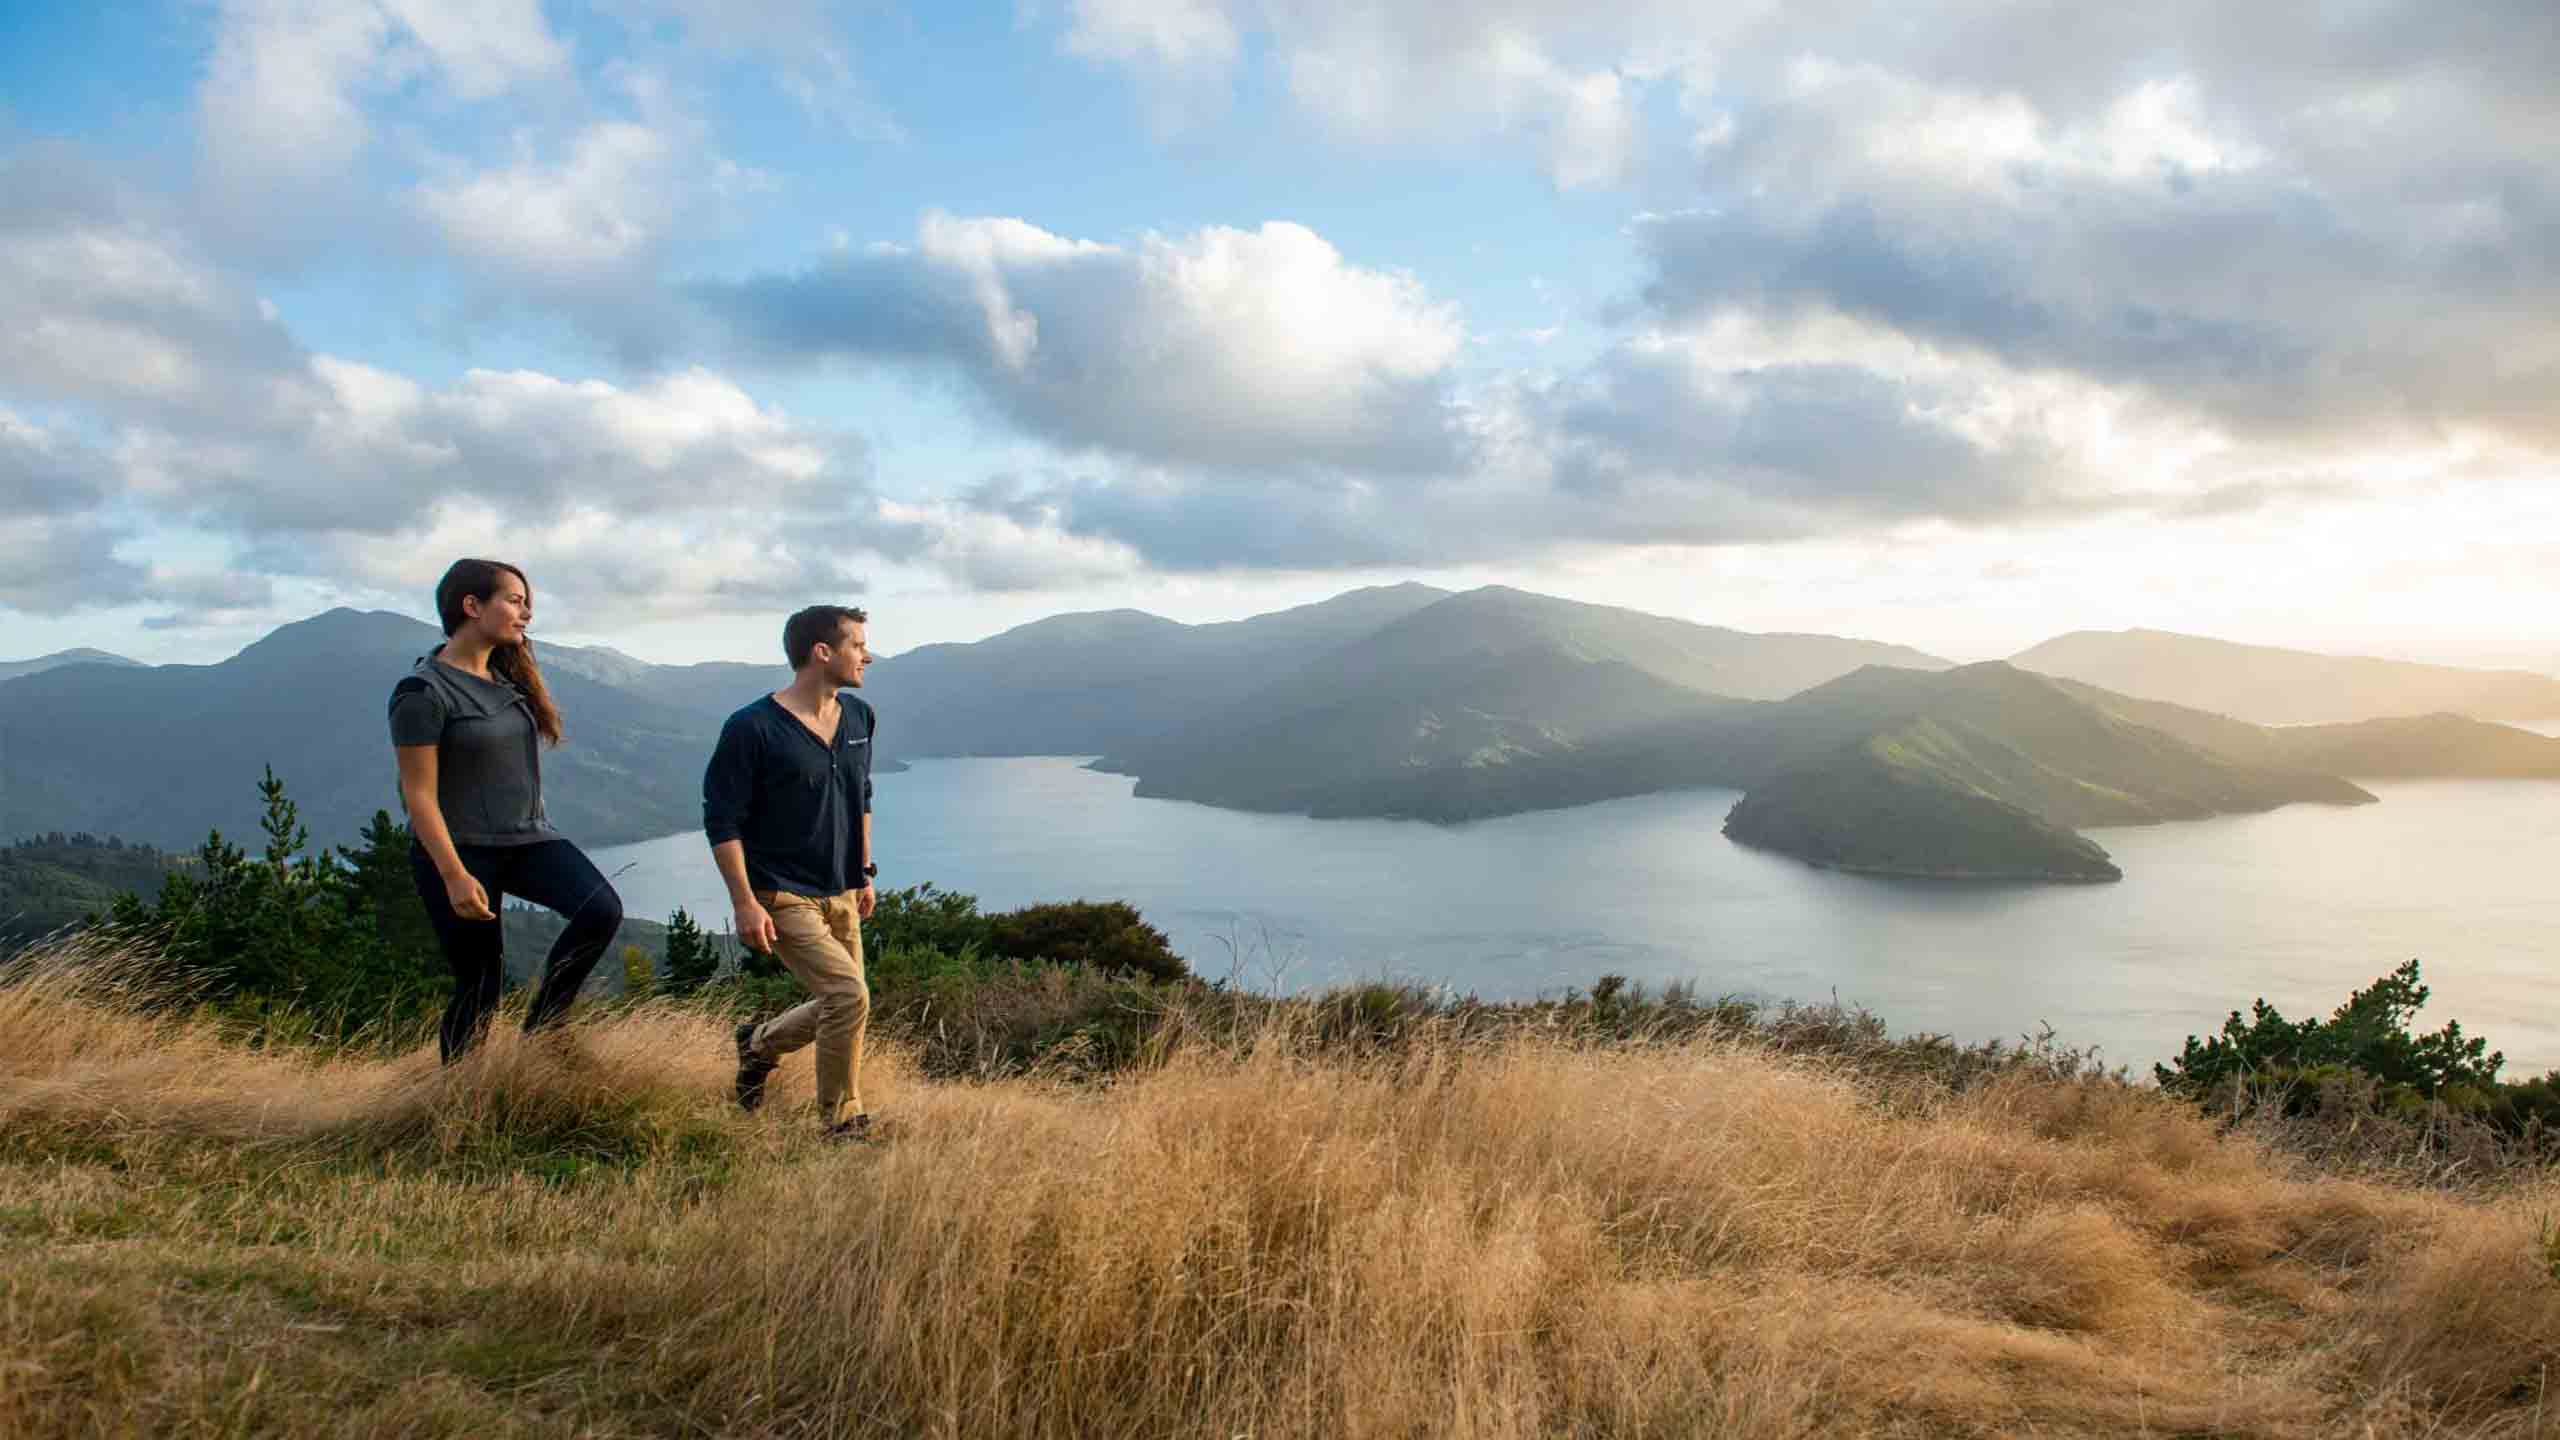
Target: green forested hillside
{"x":52,"y":880}
{"x":1454,"y":710}
{"x":1096,"y":683}
{"x":1867,"y":771}
{"x":1459,"y":717}
{"x":1907,"y":804}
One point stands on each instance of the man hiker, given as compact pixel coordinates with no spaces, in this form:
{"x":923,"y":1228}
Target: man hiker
{"x":786,"y":804}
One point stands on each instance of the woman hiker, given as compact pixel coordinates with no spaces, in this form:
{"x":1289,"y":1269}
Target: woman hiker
{"x":468,"y":725}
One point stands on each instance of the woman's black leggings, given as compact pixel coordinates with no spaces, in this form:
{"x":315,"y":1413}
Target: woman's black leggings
{"x":552,"y":874}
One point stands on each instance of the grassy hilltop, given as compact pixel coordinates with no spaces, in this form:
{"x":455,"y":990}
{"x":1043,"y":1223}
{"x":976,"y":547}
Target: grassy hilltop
{"x":1334,"y":1217}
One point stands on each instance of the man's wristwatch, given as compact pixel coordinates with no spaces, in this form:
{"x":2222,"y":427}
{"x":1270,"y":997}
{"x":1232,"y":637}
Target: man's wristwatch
{"x":871,"y":870}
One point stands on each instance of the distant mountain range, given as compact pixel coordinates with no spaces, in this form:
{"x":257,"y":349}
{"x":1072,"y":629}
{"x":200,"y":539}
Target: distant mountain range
{"x":2285,"y":687}
{"x":1401,"y":700}
{"x":162,"y":753}
{"x":12,"y":669}
{"x":1469,"y":688}
{"x":1097,"y":682}
{"x":1853,"y":755}
{"x":1977,"y":771}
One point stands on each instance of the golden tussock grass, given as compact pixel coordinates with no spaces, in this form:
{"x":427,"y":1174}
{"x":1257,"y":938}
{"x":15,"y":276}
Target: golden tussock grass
{"x":1519,"y":1237}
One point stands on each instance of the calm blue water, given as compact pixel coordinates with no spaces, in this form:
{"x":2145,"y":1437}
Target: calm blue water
{"x":2299,"y":905}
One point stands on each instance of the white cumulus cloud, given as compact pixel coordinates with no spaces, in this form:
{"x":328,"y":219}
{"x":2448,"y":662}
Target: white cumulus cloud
{"x":1222,"y":346}
{"x":283,"y":102}
{"x":606,"y":200}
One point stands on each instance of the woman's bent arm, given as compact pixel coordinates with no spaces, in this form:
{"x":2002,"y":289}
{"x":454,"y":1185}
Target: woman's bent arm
{"x":426,"y":821}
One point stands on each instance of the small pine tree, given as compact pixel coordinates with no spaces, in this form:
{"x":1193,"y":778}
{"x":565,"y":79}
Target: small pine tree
{"x":387,"y":881}
{"x":692,"y":957}
{"x":286,"y":834}
{"x":286,"y":926}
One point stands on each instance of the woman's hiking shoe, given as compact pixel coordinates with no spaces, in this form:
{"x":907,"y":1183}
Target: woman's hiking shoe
{"x":752,"y":1069}
{"x":853,"y":1128}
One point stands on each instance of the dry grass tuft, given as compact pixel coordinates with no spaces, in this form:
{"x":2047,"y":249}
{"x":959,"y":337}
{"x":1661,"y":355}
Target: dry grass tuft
{"x":1458,"y":1236}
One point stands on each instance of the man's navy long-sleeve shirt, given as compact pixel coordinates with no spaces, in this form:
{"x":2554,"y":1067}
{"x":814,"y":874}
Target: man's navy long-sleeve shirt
{"x":795,"y":802}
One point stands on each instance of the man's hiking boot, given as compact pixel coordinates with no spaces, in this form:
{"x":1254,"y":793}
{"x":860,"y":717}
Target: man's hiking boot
{"x":752,"y":1069}
{"x":854,"y":1129}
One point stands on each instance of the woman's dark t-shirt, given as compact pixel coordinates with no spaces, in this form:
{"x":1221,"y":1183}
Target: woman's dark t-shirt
{"x":488,"y":756}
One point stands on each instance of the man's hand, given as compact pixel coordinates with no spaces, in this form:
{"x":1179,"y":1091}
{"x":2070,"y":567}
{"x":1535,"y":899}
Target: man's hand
{"x":865,"y":899}
{"x":755,"y":926}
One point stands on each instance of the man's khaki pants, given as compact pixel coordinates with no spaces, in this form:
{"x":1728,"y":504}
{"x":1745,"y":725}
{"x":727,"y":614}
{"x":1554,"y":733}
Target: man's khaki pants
{"x":819,"y":940}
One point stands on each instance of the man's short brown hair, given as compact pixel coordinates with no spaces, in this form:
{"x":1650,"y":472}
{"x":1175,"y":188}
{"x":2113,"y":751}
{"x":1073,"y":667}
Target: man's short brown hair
{"x":818,"y":625}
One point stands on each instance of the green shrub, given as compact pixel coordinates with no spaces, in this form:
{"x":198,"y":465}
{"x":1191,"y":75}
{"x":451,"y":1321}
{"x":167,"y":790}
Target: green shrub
{"x":337,"y":934}
{"x":2528,"y":1107}
{"x":925,"y":917}
{"x":1108,"y":936}
{"x":2363,"y":1071}
{"x":903,"y":968}
{"x":2368,"y":1035}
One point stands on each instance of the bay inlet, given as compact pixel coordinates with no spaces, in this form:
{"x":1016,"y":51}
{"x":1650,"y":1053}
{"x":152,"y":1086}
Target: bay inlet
{"x":2299,"y":905}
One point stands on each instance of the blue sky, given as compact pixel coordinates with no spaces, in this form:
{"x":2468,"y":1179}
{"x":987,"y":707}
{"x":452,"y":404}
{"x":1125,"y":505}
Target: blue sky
{"x":1958,"y":330}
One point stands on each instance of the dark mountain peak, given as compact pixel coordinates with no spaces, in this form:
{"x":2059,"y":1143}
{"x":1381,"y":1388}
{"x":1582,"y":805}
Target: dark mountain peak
{"x":1555,"y":616}
{"x":1505,"y":599}
{"x":1982,"y":680}
{"x":78,"y":655}
{"x":344,"y":631}
{"x":1320,"y":624}
{"x":1086,"y":627}
{"x":1999,"y":677}
{"x":1402,"y":598}
{"x":1869,"y":681}
{"x":600,"y":663}
{"x":1399,"y":590}
{"x":1500,"y":615}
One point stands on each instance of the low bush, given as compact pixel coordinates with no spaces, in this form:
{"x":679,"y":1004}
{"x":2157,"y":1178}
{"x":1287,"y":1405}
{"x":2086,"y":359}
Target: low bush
{"x":2363,"y":1086}
{"x":1109,"y":936}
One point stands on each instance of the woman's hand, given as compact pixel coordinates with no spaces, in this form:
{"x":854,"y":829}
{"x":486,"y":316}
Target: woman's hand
{"x":469,"y":900}
{"x":418,"y":797}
